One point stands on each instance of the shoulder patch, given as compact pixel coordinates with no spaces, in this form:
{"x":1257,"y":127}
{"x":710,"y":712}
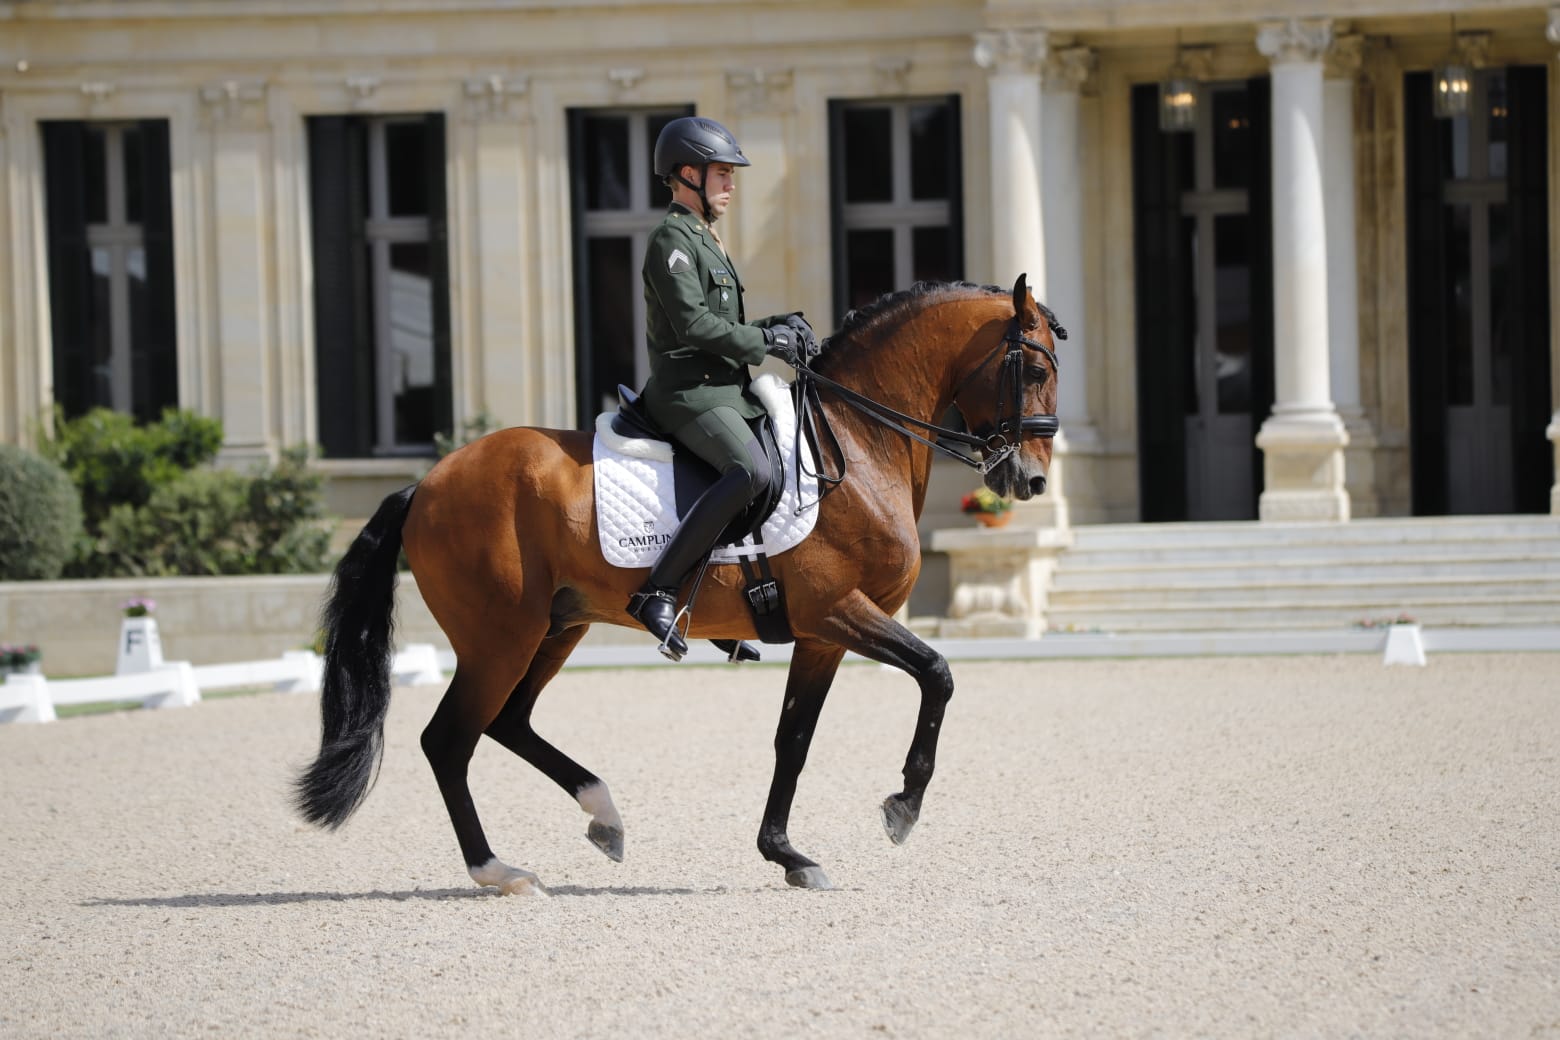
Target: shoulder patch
{"x":677,"y":261}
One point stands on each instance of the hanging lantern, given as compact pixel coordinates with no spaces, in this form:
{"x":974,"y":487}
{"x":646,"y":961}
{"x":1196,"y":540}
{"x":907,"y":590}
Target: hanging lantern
{"x":1178,"y":100}
{"x":1453,"y":88}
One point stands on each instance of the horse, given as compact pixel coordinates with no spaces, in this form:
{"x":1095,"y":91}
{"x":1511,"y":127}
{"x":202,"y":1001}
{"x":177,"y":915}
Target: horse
{"x":500,"y":536}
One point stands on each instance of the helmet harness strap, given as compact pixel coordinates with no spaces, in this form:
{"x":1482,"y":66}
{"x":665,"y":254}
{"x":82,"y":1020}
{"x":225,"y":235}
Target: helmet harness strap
{"x":704,"y":200}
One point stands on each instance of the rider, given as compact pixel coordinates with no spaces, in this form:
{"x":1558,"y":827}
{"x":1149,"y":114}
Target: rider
{"x":700,"y":349}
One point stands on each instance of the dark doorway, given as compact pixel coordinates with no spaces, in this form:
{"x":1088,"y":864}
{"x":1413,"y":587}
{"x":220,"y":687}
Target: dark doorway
{"x":1478,"y":299}
{"x":1204,"y":302}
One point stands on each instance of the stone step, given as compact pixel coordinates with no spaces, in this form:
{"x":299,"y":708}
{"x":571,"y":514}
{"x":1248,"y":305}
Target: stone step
{"x":1477,"y":570}
{"x":1073,"y":576}
{"x":1254,"y":595}
{"x":1501,"y":611}
{"x":1405,"y":530}
{"x":1087,"y":556}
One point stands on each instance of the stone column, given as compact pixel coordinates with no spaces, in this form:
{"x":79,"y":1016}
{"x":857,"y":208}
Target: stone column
{"x":1019,"y":244}
{"x":1343,"y":317}
{"x":1061,"y":180}
{"x":237,"y":118}
{"x":1014,"y":57}
{"x":508,"y":366}
{"x":1303,"y":440}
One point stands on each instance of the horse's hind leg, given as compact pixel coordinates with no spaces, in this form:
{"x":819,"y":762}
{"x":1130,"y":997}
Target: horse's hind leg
{"x":468,"y":708}
{"x":513,"y":730}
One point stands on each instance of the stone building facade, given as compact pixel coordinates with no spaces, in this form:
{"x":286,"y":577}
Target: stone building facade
{"x":357,"y":224}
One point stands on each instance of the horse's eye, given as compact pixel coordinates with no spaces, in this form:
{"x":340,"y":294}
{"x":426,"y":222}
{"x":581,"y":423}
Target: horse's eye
{"x":1035,"y":374}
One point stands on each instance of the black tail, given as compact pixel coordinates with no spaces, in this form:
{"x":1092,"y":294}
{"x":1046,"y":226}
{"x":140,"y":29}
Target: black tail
{"x":359,"y":623}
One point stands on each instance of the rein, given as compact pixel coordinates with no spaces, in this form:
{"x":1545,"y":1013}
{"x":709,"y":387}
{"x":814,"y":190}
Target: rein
{"x":1000,"y":438}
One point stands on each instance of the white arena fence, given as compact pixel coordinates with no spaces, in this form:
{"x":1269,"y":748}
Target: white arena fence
{"x":179,"y":684}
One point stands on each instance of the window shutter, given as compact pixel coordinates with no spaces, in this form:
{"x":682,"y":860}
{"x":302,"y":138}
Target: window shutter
{"x":955,"y":190}
{"x":154,"y":361}
{"x":343,"y":344}
{"x":70,"y":264}
{"x":1160,"y":167}
{"x":439,"y":275}
{"x":1428,"y":296}
{"x":1527,"y":135}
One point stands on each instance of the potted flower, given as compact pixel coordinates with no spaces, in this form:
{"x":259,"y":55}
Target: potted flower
{"x":19,"y":660}
{"x":986,"y":506}
{"x":139,"y":606}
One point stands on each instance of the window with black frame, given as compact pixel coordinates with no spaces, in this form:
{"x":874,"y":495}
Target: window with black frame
{"x":110,"y":255}
{"x":382,"y":352}
{"x":896,"y":192}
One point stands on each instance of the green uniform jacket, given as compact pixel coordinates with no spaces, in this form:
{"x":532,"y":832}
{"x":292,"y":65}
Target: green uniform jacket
{"x":700,"y":344}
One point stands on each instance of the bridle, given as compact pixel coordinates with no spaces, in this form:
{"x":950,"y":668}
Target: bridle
{"x":1000,"y":438}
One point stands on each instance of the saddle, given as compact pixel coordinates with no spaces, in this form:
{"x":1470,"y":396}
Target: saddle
{"x":692,"y":476}
{"x":645,"y":485}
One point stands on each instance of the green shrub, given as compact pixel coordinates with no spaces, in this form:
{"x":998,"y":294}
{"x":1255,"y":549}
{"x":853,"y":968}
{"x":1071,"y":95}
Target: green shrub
{"x":114,"y":462}
{"x":209,"y":521}
{"x":40,"y":516}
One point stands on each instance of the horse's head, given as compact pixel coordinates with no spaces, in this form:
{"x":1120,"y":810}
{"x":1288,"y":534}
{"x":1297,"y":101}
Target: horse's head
{"x":1009,"y":399}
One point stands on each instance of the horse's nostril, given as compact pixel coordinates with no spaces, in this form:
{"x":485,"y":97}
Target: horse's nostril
{"x":1037,"y":485}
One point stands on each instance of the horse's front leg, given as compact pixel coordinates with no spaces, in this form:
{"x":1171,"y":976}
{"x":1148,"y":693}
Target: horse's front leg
{"x":813,"y":666}
{"x":862,"y":626}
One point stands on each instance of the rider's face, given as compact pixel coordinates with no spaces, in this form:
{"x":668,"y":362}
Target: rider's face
{"x":719,"y":183}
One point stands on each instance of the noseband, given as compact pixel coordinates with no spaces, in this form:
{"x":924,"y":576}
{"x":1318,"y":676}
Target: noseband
{"x":999,"y":439}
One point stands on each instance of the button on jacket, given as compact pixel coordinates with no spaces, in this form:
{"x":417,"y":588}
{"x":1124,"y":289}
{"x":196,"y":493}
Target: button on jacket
{"x":700,"y":344}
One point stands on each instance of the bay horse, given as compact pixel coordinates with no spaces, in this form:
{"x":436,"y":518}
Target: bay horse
{"x":501,"y":538}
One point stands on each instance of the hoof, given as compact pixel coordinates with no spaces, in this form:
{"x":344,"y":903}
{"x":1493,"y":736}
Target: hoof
{"x":898,"y":819}
{"x":509,"y":881}
{"x":524,"y":886}
{"x":809,"y":877}
{"x":607,"y":839}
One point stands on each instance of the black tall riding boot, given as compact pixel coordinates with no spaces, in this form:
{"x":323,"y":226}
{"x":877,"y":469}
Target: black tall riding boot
{"x":655,"y":604}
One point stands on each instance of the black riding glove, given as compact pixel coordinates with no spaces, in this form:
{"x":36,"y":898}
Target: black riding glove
{"x":806,"y":339}
{"x":780,"y":342}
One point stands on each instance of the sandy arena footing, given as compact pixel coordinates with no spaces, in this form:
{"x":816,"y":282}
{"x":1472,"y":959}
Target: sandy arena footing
{"x":1223,"y":847}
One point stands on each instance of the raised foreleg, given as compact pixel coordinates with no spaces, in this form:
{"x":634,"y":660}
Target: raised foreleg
{"x":862,"y":626}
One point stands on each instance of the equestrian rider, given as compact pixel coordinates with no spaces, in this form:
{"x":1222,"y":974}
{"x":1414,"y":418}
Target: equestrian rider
{"x":700,"y":349}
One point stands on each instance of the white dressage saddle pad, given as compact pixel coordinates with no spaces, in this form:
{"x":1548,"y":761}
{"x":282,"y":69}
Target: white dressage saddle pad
{"x":636,"y":505}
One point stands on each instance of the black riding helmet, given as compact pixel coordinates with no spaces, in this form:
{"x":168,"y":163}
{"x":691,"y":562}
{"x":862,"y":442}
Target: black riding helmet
{"x":695,"y":141}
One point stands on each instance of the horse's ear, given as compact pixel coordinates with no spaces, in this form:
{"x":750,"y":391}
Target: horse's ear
{"x":1024,"y":307}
